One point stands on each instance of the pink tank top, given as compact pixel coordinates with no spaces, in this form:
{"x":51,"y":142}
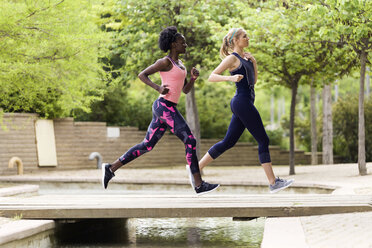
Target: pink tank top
{"x":175,"y":79}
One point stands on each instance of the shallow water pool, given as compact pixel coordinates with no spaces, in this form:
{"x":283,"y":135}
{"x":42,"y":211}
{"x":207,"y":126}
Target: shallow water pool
{"x":174,"y":232}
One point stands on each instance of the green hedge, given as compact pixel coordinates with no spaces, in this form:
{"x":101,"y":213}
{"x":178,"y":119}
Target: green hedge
{"x":345,"y":128}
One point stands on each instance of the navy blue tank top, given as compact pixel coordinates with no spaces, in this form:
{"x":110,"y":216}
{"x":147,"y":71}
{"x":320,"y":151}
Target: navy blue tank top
{"x":246,"y":85}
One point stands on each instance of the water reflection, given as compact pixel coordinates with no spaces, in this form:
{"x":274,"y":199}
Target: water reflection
{"x":169,"y":233}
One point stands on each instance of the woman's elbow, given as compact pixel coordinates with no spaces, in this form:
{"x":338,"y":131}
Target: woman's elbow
{"x":210,"y":79}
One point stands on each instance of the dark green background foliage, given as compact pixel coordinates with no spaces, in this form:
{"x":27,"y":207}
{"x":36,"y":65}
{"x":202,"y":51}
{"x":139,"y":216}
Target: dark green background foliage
{"x":345,"y":124}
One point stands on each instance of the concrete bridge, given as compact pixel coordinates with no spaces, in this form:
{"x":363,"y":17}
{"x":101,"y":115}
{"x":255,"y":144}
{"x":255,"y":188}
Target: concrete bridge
{"x":174,"y":206}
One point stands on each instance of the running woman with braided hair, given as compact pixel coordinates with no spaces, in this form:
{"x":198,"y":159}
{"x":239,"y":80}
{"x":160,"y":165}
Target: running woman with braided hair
{"x":243,"y":71}
{"x":165,"y":113}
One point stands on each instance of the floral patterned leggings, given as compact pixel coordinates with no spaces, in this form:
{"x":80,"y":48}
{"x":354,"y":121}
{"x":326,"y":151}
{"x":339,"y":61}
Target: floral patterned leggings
{"x":165,"y":115}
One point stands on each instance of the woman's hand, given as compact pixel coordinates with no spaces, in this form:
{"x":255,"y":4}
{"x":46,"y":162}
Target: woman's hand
{"x":189,"y":84}
{"x":249,"y":56}
{"x":163,"y":89}
{"x":194,"y":73}
{"x":236,"y":78}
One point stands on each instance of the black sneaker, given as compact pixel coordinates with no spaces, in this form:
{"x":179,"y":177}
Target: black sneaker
{"x":205,"y":188}
{"x":106,"y":174}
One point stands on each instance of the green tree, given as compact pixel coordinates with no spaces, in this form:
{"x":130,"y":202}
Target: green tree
{"x":48,"y":52}
{"x":136,"y":41}
{"x":215,"y":112}
{"x":353,"y":25}
{"x":286,"y":42}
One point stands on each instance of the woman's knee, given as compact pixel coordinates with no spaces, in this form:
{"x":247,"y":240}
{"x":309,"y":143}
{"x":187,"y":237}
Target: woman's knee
{"x":191,"y":141}
{"x":228,"y":144}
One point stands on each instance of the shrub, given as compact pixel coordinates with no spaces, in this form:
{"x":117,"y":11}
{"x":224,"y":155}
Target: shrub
{"x":345,"y":128}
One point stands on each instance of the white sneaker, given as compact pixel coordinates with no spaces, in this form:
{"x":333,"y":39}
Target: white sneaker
{"x":280,"y":184}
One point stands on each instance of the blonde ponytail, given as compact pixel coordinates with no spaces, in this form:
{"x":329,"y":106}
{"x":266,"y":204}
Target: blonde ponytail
{"x":228,"y":42}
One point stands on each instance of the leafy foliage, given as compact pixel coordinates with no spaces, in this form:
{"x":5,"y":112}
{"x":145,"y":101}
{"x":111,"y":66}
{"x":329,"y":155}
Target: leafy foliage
{"x":48,"y":54}
{"x":135,"y":28}
{"x":345,"y":125}
{"x":56,"y":61}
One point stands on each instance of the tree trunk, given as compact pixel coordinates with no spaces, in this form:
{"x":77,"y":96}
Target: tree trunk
{"x":327,"y":125}
{"x":367,"y":83}
{"x":272,"y":111}
{"x":361,"y":131}
{"x":192,"y":118}
{"x":291,"y":129}
{"x":314,"y":135}
{"x":281,"y":109}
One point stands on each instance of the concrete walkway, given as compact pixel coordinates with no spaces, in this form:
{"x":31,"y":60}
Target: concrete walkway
{"x":336,"y":230}
{"x":78,"y":206}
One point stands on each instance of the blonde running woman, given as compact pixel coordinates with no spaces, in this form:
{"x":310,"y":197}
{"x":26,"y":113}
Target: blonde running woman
{"x":243,"y":71}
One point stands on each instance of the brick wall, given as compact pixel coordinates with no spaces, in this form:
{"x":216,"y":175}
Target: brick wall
{"x":17,"y":138}
{"x":76,"y":140}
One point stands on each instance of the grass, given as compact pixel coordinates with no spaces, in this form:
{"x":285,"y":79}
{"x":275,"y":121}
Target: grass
{"x":17,"y":217}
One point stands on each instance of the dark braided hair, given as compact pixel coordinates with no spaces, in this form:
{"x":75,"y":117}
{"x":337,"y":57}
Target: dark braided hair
{"x":167,"y":36}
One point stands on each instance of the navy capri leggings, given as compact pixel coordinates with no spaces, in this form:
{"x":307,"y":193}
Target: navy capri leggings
{"x":245,"y":115}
